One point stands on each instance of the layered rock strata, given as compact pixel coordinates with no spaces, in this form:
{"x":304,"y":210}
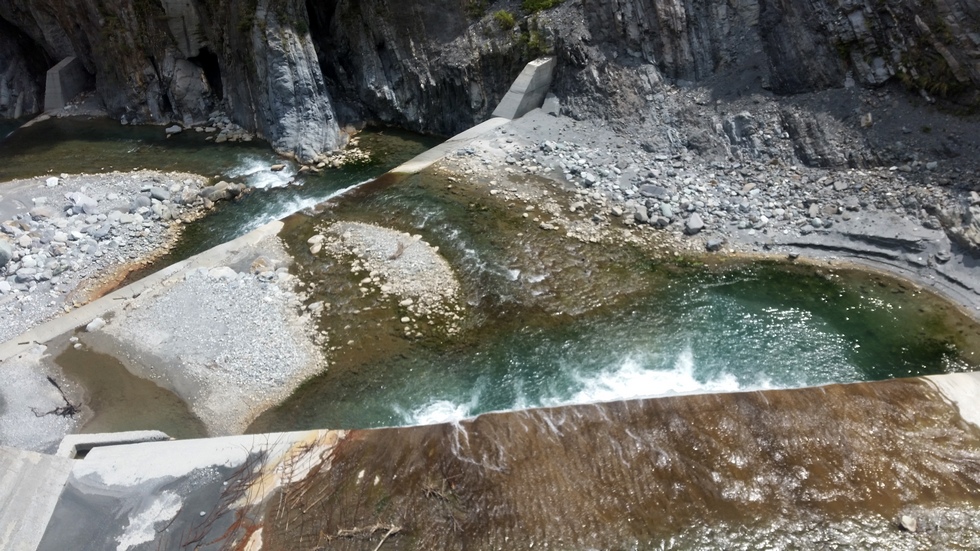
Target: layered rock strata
{"x":294,"y":72}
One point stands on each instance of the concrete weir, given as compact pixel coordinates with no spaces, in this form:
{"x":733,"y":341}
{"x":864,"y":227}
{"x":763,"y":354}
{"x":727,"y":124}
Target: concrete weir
{"x":528,"y":91}
{"x":613,"y":475}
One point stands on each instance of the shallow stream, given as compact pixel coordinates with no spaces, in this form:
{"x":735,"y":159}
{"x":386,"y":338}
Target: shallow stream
{"x":553,"y":321}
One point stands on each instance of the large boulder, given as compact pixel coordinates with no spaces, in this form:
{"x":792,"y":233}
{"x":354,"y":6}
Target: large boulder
{"x":6,"y":252}
{"x":82,"y":203}
{"x":694,"y":224}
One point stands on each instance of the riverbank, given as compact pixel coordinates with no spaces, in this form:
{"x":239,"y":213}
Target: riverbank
{"x":909,"y":220}
{"x":67,"y":239}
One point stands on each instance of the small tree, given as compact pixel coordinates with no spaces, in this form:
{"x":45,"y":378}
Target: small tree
{"x":505,"y":19}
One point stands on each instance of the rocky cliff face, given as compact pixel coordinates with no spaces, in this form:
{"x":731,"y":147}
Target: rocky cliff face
{"x":271,"y":81}
{"x":295,"y":71}
{"x":178,"y":60}
{"x":615,"y":57}
{"x":21,"y":86}
{"x":438,"y":66}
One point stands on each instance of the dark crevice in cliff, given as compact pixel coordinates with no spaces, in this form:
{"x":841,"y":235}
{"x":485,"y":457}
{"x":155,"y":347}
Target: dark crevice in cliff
{"x":428,"y":67}
{"x":23,"y":65}
{"x":208,"y":62}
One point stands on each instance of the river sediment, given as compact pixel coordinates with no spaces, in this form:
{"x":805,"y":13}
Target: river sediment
{"x":905,"y":219}
{"x":67,"y":238}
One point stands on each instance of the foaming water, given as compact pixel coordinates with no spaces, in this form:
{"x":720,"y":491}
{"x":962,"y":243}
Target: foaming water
{"x":439,"y":411}
{"x":278,"y":207}
{"x":634,"y":378}
{"x":735,"y":331}
{"x":257,"y":172}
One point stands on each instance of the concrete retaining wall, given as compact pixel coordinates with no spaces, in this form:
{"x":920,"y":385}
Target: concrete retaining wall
{"x":528,"y":91}
{"x":64,"y":82}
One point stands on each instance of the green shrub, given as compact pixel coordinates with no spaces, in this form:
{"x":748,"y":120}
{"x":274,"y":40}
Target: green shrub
{"x":476,"y":8}
{"x":534,"y":6}
{"x":505,"y":19}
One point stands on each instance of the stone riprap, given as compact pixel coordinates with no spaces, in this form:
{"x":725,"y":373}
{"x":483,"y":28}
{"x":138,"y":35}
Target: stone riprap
{"x":64,"y":237}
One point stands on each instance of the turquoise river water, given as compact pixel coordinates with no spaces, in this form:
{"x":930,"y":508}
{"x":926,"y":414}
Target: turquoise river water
{"x":548,"y":322}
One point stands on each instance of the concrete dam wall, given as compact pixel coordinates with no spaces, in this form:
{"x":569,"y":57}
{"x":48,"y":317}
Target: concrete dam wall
{"x":894,"y":461}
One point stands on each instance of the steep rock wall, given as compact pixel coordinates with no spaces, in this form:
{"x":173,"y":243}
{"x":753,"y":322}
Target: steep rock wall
{"x":615,"y":57}
{"x":21,"y":74}
{"x":787,"y":46}
{"x":293,"y":70}
{"x":271,"y":78}
{"x":118,"y":42}
{"x":171,"y":60}
{"x":428,"y":66}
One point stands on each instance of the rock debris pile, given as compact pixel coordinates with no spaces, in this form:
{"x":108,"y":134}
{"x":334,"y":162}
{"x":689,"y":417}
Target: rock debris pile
{"x":611,"y":178}
{"x":58,"y":232}
{"x":399,"y":265}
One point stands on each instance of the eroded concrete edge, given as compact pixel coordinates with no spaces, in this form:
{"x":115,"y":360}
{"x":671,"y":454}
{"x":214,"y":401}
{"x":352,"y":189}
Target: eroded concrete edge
{"x":963,"y":391}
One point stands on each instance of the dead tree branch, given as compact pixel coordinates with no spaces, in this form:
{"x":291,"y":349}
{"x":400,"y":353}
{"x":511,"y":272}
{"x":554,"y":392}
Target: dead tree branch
{"x":67,"y":410}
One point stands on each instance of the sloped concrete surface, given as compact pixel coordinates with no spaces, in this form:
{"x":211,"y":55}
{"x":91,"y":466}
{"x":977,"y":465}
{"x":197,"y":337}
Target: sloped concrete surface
{"x":30,"y":486}
{"x":195,"y":494}
{"x":528,"y":91}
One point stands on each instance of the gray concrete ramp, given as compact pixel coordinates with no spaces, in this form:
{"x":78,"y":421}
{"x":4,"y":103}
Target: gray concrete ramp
{"x":528,"y":91}
{"x":30,"y":486}
{"x":64,"y":82}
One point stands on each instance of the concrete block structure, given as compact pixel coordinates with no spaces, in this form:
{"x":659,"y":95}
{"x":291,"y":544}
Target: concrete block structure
{"x":64,"y":82}
{"x":528,"y":91}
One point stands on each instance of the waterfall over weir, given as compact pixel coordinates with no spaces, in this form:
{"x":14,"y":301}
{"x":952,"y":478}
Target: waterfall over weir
{"x":835,"y":466}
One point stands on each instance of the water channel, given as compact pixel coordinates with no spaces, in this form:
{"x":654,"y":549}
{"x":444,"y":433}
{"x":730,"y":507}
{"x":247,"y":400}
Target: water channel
{"x":550,"y":322}
{"x":554,"y":322}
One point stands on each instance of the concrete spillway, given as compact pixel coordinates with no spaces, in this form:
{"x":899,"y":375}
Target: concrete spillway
{"x":793,"y":465}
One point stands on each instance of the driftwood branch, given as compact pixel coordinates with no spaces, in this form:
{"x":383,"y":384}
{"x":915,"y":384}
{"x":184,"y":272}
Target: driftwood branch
{"x":365,"y":532}
{"x":399,"y":251}
{"x":67,"y":410}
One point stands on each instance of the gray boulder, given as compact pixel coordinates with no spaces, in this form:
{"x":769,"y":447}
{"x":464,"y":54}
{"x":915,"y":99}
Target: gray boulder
{"x":215,"y":193}
{"x":6,"y":252}
{"x":82,"y":203}
{"x":43,"y":212}
{"x":694,"y":224}
{"x":657,"y":192}
{"x":641,"y":215}
{"x":139,"y":202}
{"x":159,"y":193}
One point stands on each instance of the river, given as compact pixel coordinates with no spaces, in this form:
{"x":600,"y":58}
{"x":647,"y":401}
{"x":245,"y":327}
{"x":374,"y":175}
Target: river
{"x":551,"y":321}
